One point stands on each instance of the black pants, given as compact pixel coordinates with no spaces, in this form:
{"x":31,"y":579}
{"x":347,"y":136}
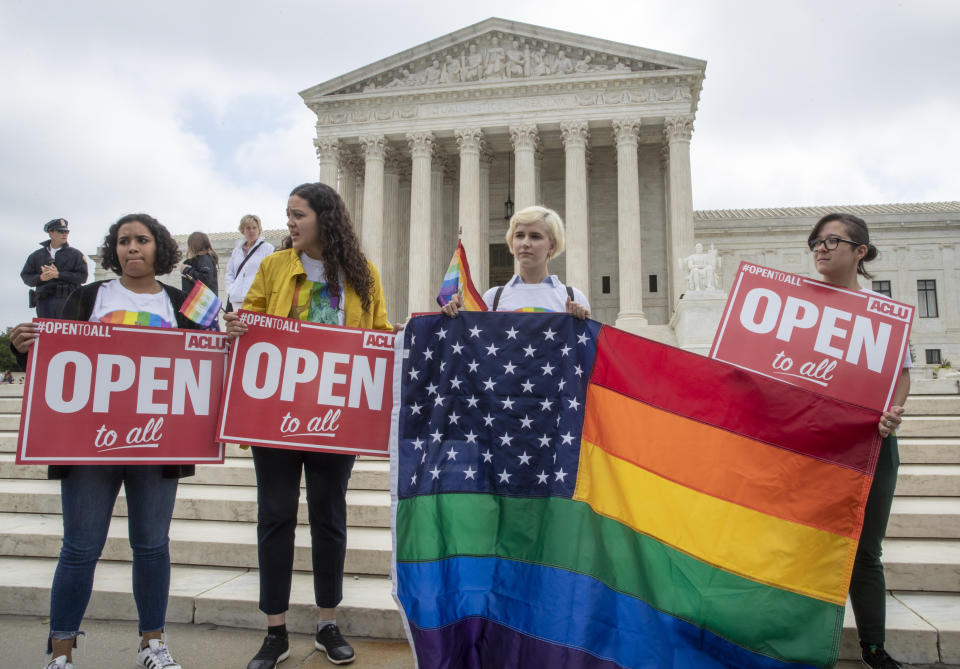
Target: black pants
{"x":278,"y":498}
{"x":50,"y":307}
{"x":867,"y":584}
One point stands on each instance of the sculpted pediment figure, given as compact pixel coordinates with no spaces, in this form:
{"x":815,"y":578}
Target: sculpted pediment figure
{"x":499,"y":50}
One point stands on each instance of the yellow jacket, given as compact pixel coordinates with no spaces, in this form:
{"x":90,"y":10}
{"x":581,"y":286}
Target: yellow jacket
{"x":273,"y":288}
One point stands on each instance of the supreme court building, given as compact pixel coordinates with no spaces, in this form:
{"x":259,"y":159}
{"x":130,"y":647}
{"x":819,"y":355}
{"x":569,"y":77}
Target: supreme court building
{"x":438,"y":138}
{"x":446,"y":136}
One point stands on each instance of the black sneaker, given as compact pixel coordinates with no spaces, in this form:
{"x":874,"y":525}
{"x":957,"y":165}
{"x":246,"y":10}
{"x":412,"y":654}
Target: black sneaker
{"x":275,"y":649}
{"x":877,"y":658}
{"x":331,"y":642}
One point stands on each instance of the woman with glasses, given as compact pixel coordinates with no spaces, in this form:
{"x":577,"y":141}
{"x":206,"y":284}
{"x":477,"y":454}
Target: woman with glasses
{"x":840,"y":244}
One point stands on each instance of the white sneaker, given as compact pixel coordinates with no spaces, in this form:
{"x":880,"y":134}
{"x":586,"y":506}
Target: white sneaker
{"x":59,"y":662}
{"x":156,"y":656}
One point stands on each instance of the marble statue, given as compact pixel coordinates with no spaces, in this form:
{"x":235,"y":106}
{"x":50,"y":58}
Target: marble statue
{"x":540,"y":67}
{"x":473,"y":64}
{"x":497,"y":58}
{"x":451,"y":70}
{"x":433,"y":73}
{"x":562,"y":65}
{"x":516,"y":60}
{"x":495,"y":64}
{"x":703,"y":269}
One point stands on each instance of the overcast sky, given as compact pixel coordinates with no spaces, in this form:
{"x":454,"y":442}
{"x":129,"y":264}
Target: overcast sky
{"x":189,"y":110}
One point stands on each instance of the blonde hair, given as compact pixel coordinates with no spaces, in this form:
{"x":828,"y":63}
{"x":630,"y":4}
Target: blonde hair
{"x":250,"y":218}
{"x":537,"y":213}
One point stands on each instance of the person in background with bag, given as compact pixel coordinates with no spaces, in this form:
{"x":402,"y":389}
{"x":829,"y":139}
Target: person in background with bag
{"x":54,"y":271}
{"x":200,"y":265}
{"x":245,"y":260}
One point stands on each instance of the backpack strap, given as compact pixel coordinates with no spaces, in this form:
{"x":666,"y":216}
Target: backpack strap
{"x":496,"y":298}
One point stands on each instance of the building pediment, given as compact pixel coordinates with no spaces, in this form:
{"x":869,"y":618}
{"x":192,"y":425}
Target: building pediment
{"x":499,"y":51}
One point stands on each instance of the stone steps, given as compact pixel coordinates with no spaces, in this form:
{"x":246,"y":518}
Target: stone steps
{"x":929,"y":479}
{"x":216,"y":595}
{"x":929,"y":451}
{"x":213,"y":543}
{"x":194,"y":542}
{"x":929,"y":426}
{"x":927,"y":405}
{"x":920,"y":628}
{"x":912,"y":564}
{"x":365,"y":508}
{"x":237,"y":471}
{"x":925,"y":517}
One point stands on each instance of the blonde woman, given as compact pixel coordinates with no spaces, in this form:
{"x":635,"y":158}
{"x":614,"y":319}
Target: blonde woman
{"x":245,"y":260}
{"x":534,"y":237}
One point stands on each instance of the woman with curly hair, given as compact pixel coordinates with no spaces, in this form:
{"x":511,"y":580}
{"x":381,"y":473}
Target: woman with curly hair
{"x":323,"y":278}
{"x":137,"y":248}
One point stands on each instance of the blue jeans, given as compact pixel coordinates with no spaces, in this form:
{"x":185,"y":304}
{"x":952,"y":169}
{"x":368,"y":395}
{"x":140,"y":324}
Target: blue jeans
{"x":87,"y":496}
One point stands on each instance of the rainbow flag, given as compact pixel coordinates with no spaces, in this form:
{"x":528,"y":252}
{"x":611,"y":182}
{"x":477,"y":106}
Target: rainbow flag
{"x":202,"y":305}
{"x":570,"y":495}
{"x":123,"y":317}
{"x":457,"y":281}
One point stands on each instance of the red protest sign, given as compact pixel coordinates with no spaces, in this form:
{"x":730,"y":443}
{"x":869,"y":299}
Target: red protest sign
{"x":843,"y":343}
{"x":97,"y":393}
{"x":306,"y":386}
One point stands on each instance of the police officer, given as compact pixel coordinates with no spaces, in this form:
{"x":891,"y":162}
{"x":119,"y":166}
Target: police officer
{"x":55,"y":270}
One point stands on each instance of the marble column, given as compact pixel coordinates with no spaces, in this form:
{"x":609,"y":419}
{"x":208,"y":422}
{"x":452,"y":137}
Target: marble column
{"x":451,"y":217}
{"x":403,"y":246}
{"x":537,"y":170}
{"x":677,"y":131}
{"x":390,"y":269}
{"x":348,"y":186}
{"x":481,"y":271}
{"x":575,"y":135}
{"x":421,"y":152}
{"x":675,"y":277}
{"x":374,"y":151}
{"x":439,"y":256}
{"x":328,"y":156}
{"x":629,"y":255}
{"x":358,"y":199}
{"x":469,"y":140}
{"x":526,"y":140}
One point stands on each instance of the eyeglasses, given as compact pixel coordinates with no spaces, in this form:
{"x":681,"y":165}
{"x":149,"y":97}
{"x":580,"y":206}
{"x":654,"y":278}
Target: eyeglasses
{"x":830,"y":243}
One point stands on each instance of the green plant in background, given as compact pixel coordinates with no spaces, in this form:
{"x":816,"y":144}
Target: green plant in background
{"x":7,"y":361}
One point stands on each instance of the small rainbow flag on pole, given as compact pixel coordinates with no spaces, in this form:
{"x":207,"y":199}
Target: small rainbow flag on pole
{"x":457,"y":281}
{"x":202,"y":305}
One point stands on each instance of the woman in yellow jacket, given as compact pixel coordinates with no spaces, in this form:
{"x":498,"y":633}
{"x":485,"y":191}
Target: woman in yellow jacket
{"x":323,"y":278}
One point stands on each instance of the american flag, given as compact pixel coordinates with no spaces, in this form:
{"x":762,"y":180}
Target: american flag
{"x":493,"y":403}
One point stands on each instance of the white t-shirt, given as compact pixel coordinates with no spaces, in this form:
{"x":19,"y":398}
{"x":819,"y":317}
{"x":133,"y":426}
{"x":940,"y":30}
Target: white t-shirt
{"x":312,"y":298}
{"x":119,"y":306}
{"x":548,"y":295}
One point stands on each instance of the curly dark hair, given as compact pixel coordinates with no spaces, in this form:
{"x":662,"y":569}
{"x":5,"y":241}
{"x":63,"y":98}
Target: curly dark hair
{"x":341,"y":248}
{"x":168,"y":253}
{"x":856,"y":229}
